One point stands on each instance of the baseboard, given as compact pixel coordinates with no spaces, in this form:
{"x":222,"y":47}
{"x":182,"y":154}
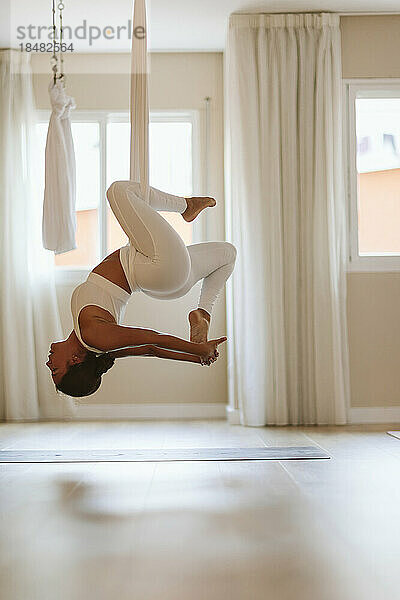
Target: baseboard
{"x":232,"y":415}
{"x":107,"y":412}
{"x":356,"y":416}
{"x":375,"y":414}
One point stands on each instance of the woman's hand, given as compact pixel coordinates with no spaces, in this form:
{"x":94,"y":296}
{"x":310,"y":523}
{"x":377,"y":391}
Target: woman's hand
{"x":209,"y":353}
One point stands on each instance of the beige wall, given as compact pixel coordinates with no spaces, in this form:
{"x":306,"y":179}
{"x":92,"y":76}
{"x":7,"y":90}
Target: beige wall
{"x":180,"y":81}
{"x":374,"y":338}
{"x":371,"y":48}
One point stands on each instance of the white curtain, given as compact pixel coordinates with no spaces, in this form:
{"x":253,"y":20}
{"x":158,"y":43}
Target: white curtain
{"x":29,"y":317}
{"x":287,"y":216}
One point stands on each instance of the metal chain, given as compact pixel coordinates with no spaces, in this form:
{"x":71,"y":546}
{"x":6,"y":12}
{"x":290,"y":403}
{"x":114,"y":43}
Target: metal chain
{"x":54,"y":59}
{"x":61,"y":7}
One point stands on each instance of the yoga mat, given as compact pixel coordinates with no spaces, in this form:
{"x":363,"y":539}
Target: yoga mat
{"x":395,"y":434}
{"x":157,"y":455}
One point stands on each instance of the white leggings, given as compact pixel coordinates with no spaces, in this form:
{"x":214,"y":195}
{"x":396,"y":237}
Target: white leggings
{"x":164,"y":267}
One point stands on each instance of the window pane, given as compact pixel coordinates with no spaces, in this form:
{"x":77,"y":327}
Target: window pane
{"x":87,"y":239}
{"x":118,"y":157}
{"x":87,"y":153}
{"x":171,"y":157}
{"x":171,"y":153}
{"x":378,"y":175}
{"x":118,"y":151}
{"x":170,"y":169}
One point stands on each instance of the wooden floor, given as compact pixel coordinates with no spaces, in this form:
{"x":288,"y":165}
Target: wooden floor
{"x":298,"y":530}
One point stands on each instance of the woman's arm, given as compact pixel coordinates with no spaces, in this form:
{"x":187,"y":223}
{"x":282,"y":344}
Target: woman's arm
{"x":182,"y":356}
{"x":148,"y":350}
{"x":145,"y":350}
{"x":107,"y":336}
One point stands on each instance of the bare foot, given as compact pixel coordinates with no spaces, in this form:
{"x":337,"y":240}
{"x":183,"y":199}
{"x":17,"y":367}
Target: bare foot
{"x":199,"y":320}
{"x":195,"y":205}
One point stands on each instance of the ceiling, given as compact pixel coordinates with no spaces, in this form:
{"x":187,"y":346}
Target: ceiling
{"x":174,"y":25}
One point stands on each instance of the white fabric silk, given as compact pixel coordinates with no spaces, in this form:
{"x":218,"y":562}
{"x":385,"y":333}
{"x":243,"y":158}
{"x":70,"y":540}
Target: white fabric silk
{"x":29,"y":318}
{"x":288,"y":363}
{"x":59,"y":217}
{"x":139,"y":165}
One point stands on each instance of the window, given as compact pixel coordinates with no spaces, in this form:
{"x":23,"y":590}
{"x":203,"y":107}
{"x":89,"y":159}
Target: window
{"x":102,"y":142}
{"x":373,"y":175}
{"x":170,"y":149}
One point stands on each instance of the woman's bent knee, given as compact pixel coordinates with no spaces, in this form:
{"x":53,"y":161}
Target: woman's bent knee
{"x":126,"y":185}
{"x":231,"y":251}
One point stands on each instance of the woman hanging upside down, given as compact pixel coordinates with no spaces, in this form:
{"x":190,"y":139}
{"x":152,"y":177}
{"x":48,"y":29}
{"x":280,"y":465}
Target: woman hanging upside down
{"x":156,"y":262}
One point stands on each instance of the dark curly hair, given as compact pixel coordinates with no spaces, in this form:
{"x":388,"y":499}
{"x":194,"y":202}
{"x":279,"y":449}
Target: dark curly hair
{"x":84,"y":378}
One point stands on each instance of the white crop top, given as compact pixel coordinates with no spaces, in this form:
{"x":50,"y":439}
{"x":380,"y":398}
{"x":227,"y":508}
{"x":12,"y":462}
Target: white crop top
{"x":98,"y":291}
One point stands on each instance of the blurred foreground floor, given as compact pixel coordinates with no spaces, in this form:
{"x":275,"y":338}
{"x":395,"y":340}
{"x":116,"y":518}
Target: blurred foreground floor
{"x":285,"y":530}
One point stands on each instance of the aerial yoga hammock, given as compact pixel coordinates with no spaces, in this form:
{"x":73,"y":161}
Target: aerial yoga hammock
{"x":59,"y":218}
{"x":155,"y":262}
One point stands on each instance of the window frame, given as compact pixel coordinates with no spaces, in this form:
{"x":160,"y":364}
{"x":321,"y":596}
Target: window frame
{"x":75,"y":275}
{"x":352,"y":89}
